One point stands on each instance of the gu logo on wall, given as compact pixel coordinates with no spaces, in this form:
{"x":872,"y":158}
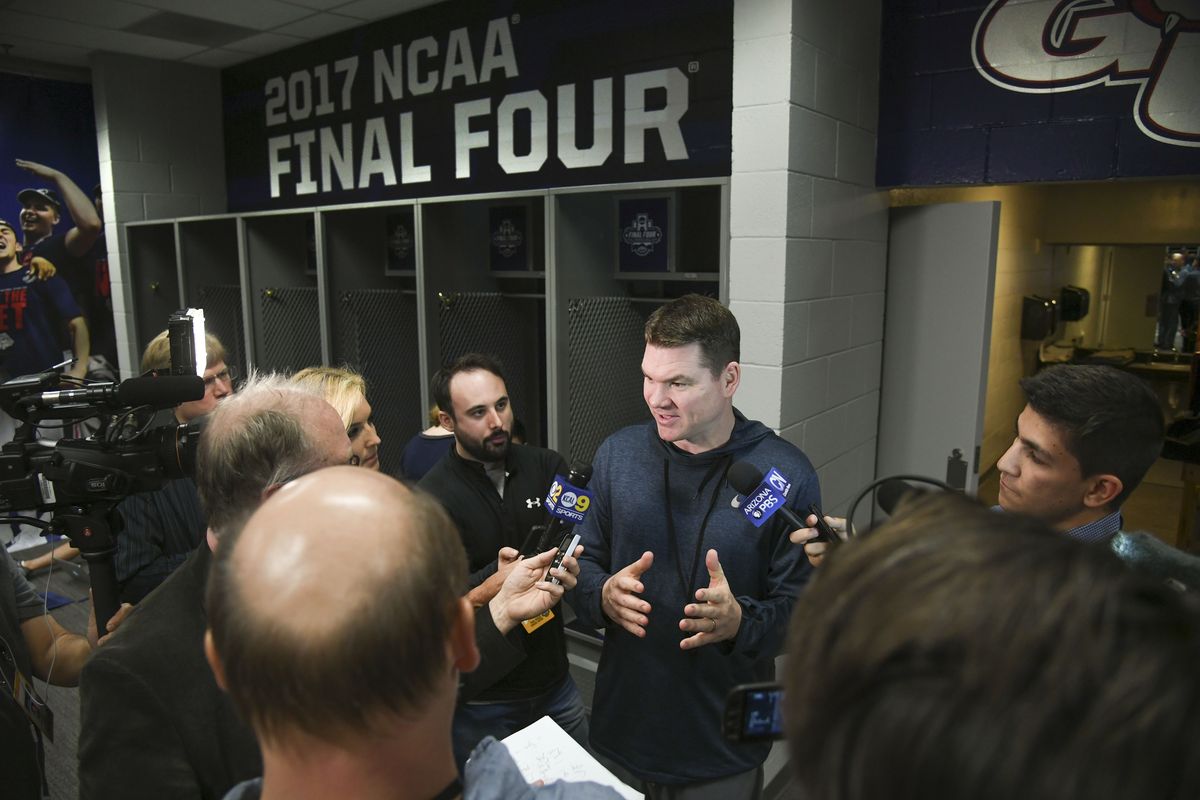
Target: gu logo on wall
{"x":1044,"y":46}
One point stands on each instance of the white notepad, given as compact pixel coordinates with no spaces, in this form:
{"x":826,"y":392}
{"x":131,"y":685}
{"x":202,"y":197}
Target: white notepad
{"x":544,"y":751}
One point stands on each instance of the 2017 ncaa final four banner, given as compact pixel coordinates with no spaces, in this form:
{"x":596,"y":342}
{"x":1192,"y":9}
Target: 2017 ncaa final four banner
{"x":469,"y":97}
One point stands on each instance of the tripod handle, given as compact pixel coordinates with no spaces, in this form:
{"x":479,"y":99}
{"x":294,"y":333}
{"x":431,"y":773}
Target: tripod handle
{"x":93,"y":531}
{"x":104,"y":586}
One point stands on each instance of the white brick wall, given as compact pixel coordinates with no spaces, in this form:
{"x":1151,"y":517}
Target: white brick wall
{"x":813,"y":145}
{"x":808,"y":229}
{"x":158,"y":129}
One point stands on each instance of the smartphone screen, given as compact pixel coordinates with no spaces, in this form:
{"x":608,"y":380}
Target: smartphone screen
{"x":762,"y":716}
{"x":754,"y":713}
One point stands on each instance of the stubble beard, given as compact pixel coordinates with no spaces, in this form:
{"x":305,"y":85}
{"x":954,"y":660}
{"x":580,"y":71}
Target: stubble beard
{"x":485,"y":451}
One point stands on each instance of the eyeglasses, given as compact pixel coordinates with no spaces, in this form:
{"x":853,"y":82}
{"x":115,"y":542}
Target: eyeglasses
{"x":227,"y":375}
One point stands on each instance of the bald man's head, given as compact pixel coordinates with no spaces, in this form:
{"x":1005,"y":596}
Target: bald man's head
{"x":270,"y":432}
{"x":331,"y":610}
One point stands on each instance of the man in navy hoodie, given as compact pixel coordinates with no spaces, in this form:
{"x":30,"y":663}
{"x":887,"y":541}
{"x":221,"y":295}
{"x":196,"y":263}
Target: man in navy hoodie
{"x":693,"y":599}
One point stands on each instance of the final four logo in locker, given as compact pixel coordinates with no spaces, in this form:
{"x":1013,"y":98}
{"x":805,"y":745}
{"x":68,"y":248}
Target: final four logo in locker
{"x":401,"y":246}
{"x":507,"y":239}
{"x":645,"y":233}
{"x":642,"y":235}
{"x":400,"y":240}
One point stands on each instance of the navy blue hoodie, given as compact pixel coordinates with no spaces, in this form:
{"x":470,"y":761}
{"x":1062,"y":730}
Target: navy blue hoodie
{"x":657,"y":709}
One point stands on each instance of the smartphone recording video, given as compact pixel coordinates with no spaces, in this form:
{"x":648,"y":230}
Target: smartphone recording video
{"x":754,"y":713}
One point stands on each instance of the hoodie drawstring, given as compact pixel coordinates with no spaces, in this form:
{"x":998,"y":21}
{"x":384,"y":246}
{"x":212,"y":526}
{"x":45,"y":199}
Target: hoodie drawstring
{"x":718,"y":468}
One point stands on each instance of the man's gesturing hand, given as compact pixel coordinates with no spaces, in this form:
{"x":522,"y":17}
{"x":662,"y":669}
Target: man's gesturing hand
{"x":619,"y":597}
{"x":717,"y":616}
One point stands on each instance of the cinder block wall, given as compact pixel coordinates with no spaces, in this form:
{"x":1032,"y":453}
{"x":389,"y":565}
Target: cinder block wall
{"x":946,"y":120}
{"x":808,"y":229}
{"x":162,"y":155}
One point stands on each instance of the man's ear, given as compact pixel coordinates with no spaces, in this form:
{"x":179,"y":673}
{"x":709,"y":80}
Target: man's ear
{"x":214,"y":660}
{"x":464,"y":653}
{"x":731,"y":378}
{"x":445,"y":420}
{"x":1101,"y":489}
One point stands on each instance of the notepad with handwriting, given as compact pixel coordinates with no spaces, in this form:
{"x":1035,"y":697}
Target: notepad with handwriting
{"x":544,"y":751}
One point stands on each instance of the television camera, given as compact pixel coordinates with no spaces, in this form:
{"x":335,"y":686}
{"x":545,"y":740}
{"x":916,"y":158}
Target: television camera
{"x":80,"y":481}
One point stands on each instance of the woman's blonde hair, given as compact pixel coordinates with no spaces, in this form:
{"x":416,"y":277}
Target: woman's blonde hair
{"x":341,"y":387}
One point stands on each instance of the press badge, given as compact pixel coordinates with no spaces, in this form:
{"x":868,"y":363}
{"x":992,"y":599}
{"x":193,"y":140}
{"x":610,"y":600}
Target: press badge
{"x":531,"y":625}
{"x":35,"y":708}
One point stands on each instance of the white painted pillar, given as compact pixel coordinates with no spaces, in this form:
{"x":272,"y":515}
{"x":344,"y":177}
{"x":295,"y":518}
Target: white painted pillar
{"x":809,"y":230}
{"x":162,"y":155}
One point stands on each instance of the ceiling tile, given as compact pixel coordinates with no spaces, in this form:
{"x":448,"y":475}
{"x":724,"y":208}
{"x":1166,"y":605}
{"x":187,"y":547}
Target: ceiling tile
{"x":319,"y":5}
{"x":205,"y":33}
{"x":27,"y":49}
{"x":379,"y":9}
{"x":318,"y":25}
{"x":61,"y":66}
{"x":101,"y":13}
{"x":216,"y":58}
{"x":91,"y":38}
{"x":260,"y":14}
{"x":264,"y":43}
{"x":118,"y":42}
{"x":66,"y":31}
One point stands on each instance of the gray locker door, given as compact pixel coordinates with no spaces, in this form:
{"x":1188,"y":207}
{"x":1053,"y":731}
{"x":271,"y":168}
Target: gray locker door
{"x":377,"y":335}
{"x":941,"y":280}
{"x":605,"y":343}
{"x":291,"y":334}
{"x":505,"y":328}
{"x":222,"y":306}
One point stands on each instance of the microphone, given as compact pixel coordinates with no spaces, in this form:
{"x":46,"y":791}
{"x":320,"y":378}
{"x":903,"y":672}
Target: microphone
{"x":567,"y":502}
{"x":540,"y":537}
{"x":892,"y":492}
{"x":161,"y":391}
{"x":877,"y":484}
{"x":765,"y":497}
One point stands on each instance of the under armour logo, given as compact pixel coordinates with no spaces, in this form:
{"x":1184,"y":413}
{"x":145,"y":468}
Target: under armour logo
{"x":533,"y":502}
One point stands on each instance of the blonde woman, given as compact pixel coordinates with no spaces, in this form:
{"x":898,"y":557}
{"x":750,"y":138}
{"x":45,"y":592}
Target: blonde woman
{"x":346,"y":391}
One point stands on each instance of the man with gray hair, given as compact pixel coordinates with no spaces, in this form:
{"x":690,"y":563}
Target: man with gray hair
{"x":154,"y":723}
{"x":343,"y":705}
